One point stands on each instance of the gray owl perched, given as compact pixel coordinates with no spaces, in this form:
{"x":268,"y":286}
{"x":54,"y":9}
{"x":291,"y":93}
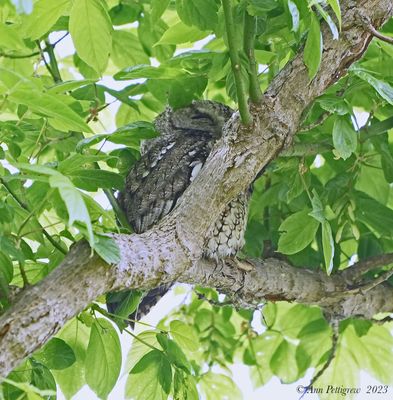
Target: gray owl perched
{"x":168,"y":164}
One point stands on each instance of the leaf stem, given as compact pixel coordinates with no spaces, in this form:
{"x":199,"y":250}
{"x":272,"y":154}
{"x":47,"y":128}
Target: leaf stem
{"x":53,"y":62}
{"x":249,"y":41}
{"x":18,"y":56}
{"x":117,"y":210}
{"x":235,"y":62}
{"x":44,"y":60}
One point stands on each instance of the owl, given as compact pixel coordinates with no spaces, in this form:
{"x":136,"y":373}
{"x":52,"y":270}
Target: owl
{"x":168,"y":164}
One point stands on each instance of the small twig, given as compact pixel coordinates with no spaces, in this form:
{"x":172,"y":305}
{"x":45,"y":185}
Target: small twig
{"x":59,"y":40}
{"x":213,"y":302}
{"x":35,"y":53}
{"x":321,"y":119}
{"x":107,"y":314}
{"x":331,"y":356}
{"x":249,"y":42}
{"x":352,"y":274}
{"x":381,"y":321}
{"x":18,"y":56}
{"x":141,"y":340}
{"x":371,"y":285}
{"x":24,"y":276}
{"x":379,"y":35}
{"x":235,"y":62}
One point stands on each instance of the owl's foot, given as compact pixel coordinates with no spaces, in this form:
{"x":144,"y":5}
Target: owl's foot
{"x":243,"y":265}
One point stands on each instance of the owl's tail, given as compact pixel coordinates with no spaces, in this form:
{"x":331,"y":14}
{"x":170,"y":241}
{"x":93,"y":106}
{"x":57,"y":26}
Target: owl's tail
{"x":118,"y":303}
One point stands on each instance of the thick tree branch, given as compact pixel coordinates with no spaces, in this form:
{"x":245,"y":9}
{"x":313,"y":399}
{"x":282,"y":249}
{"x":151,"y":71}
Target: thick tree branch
{"x":40,"y":311}
{"x":172,"y":250}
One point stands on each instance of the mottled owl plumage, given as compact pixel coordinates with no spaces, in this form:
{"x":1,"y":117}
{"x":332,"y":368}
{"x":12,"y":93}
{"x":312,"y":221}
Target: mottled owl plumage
{"x":168,"y":164}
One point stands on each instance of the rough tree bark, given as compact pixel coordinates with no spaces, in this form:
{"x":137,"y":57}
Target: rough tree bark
{"x":172,"y":250}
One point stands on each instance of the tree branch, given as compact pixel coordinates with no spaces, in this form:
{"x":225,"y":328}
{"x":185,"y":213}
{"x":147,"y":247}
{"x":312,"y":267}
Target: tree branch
{"x":172,"y":250}
{"x":40,"y":311}
{"x":353,"y":274}
{"x":379,"y":35}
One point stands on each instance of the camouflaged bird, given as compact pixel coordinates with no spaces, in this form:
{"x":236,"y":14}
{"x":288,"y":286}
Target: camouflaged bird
{"x":168,"y":164}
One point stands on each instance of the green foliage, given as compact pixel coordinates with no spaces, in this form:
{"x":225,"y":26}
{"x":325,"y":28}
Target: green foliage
{"x":66,"y":135}
{"x":103,"y":358}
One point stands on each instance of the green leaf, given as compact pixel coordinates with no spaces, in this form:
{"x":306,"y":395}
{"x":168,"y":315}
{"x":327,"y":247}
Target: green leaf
{"x":31,"y":392}
{"x":184,"y":387}
{"x":9,"y":38}
{"x":283,"y":362}
{"x":317,"y":208}
{"x":23,"y":6}
{"x":125,"y":12}
{"x":316,"y":340}
{"x":382,"y":88}
{"x":67,"y":86}
{"x":6,"y":274}
{"x":103,"y":358}
{"x":343,"y":371}
{"x":344,"y":137}
{"x":298,"y":231}
{"x":291,"y":322}
{"x":382,"y":145}
{"x":335,"y":5}
{"x":76,"y":207}
{"x":328,"y":246}
{"x":157,"y":9}
{"x":181,"y":33}
{"x":127,"y":49}
{"x":147,"y":71}
{"x":174,"y":352}
{"x":123,"y":304}
{"x":328,"y":19}
{"x":56,"y":354}
{"x":184,"y":335}
{"x":377,"y":217}
{"x":49,"y":105}
{"x":94,"y":179}
{"x":373,"y":351}
{"x":150,"y":378}
{"x":261,"y":7}
{"x":219,"y":386}
{"x":183,"y":91}
{"x":140,"y":346}
{"x":107,"y":248}
{"x":71,"y":379}
{"x":201,"y":13}
{"x":294,"y":14}
{"x":262,"y":348}
{"x":129,"y":135}
{"x":44,"y":16}
{"x":42,"y":378}
{"x":313,"y":49}
{"x":90,"y":29}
